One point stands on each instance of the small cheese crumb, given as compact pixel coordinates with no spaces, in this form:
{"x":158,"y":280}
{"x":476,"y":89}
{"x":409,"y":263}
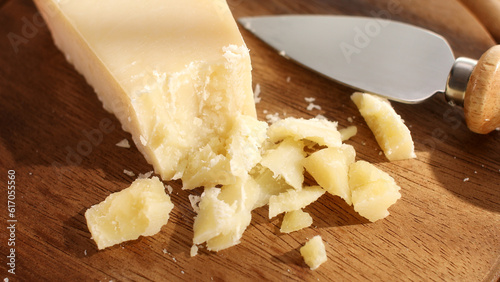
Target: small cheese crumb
{"x":165,"y":251}
{"x":123,"y":144}
{"x":272,"y":118}
{"x":145,"y":175}
{"x":283,"y":53}
{"x":310,"y":99}
{"x":466,"y":179}
{"x":349,"y":119}
{"x":169,"y":189}
{"x":128,"y":172}
{"x":256,"y":94}
{"x":85,"y":252}
{"x":194,"y":199}
{"x":288,"y":79}
{"x":313,"y":106}
{"x":194,"y":250}
{"x":321,"y":117}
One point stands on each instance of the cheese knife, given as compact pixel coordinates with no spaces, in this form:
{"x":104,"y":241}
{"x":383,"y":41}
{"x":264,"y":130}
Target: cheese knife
{"x":399,"y":61}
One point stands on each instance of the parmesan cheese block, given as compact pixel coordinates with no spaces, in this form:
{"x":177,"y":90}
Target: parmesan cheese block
{"x":389,"y":129}
{"x":141,"y":209}
{"x":176,"y":74}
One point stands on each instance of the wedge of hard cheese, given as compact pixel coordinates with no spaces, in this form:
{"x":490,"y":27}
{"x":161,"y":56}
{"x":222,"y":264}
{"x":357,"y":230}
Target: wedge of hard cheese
{"x":176,"y":74}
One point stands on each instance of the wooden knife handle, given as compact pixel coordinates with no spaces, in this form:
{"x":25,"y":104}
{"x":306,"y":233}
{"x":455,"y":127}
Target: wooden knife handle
{"x":488,"y":12}
{"x":482,"y":96}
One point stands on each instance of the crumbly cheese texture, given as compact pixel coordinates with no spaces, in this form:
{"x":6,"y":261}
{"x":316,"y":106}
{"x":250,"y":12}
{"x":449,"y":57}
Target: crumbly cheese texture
{"x":314,"y":252}
{"x":177,"y":74}
{"x":392,"y":135}
{"x":330,"y":167}
{"x":140,"y":210}
{"x":373,"y":190}
{"x":295,"y":220}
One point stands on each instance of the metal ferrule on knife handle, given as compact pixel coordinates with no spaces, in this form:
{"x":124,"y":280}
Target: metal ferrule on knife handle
{"x":475,"y":85}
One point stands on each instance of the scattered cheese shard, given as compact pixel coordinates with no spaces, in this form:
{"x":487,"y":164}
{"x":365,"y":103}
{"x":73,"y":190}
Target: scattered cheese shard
{"x":141,"y":209}
{"x":285,"y":161}
{"x":391,"y":133}
{"x":330,"y":167}
{"x":348,"y":132}
{"x":267,"y":185}
{"x":321,"y":131}
{"x":373,"y":191}
{"x":293,"y":200}
{"x":176,"y":74}
{"x":295,"y":220}
{"x":224,"y":214}
{"x":314,"y":252}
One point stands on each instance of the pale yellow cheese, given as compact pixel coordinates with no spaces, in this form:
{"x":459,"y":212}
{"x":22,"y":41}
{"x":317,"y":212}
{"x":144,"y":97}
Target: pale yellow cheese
{"x":373,"y":190}
{"x":295,"y":220}
{"x":314,"y":252}
{"x":285,"y":161}
{"x":177,"y":74}
{"x":141,"y":209}
{"x":391,"y":133}
{"x":267,"y":184}
{"x":224,"y":214}
{"x":320,"y":131}
{"x":293,"y":200}
{"x":330,"y":167}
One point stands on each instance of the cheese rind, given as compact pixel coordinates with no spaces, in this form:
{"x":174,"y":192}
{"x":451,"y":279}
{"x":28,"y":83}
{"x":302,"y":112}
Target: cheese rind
{"x":140,"y":210}
{"x":175,"y":73}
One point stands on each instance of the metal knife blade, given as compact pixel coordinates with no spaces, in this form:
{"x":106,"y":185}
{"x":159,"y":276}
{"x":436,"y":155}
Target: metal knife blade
{"x":392,"y":59}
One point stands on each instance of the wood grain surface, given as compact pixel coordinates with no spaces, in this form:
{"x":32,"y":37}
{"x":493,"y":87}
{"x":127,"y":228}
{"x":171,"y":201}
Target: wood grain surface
{"x":60,"y":142}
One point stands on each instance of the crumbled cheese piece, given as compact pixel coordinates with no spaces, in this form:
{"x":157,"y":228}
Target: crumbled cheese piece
{"x":195,"y":200}
{"x":319,"y":116}
{"x":466,"y":179}
{"x":147,"y":209}
{"x":273,"y":118}
{"x":128,"y":172}
{"x":313,"y":106}
{"x":256,"y":94}
{"x":145,"y":175}
{"x":288,"y":79}
{"x":123,"y":144}
{"x":169,"y":189}
{"x":282,"y":53}
{"x":194,"y":250}
{"x":349,"y":119}
{"x":310,"y":99}
{"x":314,"y":252}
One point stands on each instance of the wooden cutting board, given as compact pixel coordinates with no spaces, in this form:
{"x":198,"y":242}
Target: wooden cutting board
{"x":59,"y":143}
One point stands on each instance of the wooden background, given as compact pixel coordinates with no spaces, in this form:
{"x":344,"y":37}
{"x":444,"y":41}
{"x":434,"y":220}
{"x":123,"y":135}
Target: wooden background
{"x":443,"y":228}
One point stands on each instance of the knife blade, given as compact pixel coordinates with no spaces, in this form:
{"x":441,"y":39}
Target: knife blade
{"x":399,"y":61}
